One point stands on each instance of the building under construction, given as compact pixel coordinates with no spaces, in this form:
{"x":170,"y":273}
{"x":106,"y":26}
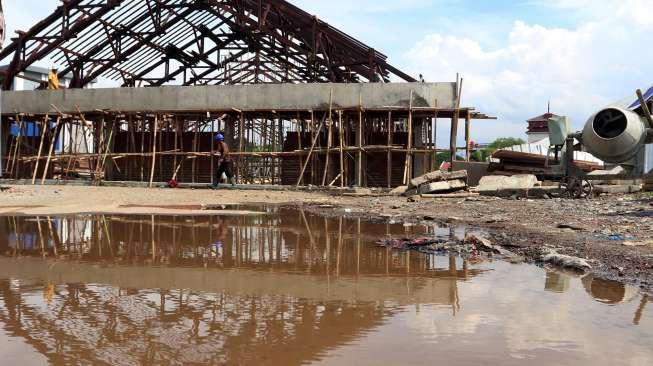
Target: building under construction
{"x":299,"y":101}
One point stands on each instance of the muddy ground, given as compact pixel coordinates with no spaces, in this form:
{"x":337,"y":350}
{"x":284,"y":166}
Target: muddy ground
{"x":615,"y":233}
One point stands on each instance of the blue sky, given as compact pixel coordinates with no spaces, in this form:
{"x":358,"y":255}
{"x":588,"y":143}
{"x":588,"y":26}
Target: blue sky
{"x":514,"y":55}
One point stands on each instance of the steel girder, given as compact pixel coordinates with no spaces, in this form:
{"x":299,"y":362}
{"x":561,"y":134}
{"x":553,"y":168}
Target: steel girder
{"x":189,"y":42}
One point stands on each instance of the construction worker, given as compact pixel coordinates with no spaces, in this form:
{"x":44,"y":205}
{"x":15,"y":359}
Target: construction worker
{"x":225,"y":163}
{"x":53,"y":79}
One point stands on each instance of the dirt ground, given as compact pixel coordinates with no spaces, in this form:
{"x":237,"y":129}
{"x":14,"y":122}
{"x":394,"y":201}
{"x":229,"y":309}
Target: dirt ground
{"x":615,"y":233}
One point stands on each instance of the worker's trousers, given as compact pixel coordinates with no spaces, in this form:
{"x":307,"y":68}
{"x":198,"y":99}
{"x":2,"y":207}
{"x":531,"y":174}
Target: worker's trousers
{"x":226,"y":168}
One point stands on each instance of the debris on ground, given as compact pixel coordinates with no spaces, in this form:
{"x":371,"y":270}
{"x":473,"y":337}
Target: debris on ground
{"x":570,"y":226}
{"x":486,"y":245}
{"x":614,"y":237}
{"x":414,"y":199}
{"x":437,"y":182}
{"x":403,"y":244}
{"x":550,"y":256}
{"x":631,"y":243}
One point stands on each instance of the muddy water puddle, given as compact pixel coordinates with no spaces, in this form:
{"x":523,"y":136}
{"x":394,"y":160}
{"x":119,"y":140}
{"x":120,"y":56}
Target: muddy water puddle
{"x":288,"y":288}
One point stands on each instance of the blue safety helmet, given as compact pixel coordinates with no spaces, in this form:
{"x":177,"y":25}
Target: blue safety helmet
{"x":219,"y":137}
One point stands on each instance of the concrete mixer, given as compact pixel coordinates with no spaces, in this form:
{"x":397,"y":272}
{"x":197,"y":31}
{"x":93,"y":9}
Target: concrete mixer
{"x":618,"y":135}
{"x":2,"y":25}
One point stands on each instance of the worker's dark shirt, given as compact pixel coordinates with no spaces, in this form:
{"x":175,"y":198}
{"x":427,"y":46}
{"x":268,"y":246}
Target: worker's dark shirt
{"x":223,"y":149}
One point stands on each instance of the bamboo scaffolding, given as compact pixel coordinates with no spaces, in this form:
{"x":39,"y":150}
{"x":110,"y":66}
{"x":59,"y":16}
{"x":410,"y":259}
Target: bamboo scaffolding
{"x":262,"y":155}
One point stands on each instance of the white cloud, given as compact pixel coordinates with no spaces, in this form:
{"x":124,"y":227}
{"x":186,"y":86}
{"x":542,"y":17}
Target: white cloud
{"x":601,"y":60}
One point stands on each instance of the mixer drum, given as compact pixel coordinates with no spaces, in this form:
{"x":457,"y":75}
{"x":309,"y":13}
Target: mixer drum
{"x":2,"y":25}
{"x":614,"y":135}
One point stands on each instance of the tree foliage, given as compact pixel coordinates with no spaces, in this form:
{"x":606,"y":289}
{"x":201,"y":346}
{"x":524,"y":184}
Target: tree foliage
{"x":445,"y":156}
{"x":500,"y":143}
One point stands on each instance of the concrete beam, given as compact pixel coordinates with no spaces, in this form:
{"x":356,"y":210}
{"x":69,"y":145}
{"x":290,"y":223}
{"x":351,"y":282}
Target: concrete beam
{"x":261,"y":97}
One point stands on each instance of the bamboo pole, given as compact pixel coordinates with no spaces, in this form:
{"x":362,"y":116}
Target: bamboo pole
{"x":195,"y":138}
{"x":142,"y":150}
{"x":434,"y":136}
{"x":341,"y":132}
{"x":241,"y":143}
{"x":300,"y":128}
{"x":54,"y":140}
{"x":70,"y":147}
{"x":156,"y":127}
{"x":467,"y":135}
{"x":212,"y":162}
{"x":312,"y":128}
{"x":453,"y":137}
{"x":17,"y":147}
{"x":329,"y":138}
{"x":176,"y":145}
{"x":389,"y":145}
{"x":359,"y":138}
{"x":310,"y":152}
{"x":36,"y":166}
{"x":106,"y":148}
{"x":408,"y":165}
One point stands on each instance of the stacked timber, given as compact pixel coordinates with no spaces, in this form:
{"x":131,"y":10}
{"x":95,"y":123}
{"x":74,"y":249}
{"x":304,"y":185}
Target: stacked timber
{"x":437,"y":182}
{"x":516,"y":162}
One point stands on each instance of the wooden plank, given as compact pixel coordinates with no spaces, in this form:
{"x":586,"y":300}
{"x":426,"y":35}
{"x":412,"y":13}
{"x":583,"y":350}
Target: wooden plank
{"x":156,"y":128}
{"x":57,"y":129}
{"x":38,"y":156}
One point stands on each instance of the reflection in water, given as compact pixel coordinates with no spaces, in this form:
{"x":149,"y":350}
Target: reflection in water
{"x":126,"y":327}
{"x":605,"y":291}
{"x":288,"y":288}
{"x":284,"y":240}
{"x":556,"y":281}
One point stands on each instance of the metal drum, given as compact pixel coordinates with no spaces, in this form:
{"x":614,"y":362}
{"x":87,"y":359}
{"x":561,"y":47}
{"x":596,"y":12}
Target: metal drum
{"x":614,"y":135}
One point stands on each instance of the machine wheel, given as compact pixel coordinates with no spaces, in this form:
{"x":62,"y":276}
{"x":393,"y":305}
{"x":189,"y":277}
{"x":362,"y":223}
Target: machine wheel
{"x":572,"y":187}
{"x":564,"y":188}
{"x":582,"y":188}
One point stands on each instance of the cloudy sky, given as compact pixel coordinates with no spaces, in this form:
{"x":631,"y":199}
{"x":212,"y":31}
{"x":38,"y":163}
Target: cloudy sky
{"x":514,"y":55}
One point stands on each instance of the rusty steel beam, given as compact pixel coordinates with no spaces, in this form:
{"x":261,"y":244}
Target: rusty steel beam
{"x":134,"y":40}
{"x":19,"y":64}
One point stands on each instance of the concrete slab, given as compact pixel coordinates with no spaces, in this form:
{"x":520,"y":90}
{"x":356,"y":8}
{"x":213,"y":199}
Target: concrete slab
{"x":499,"y":182}
{"x":446,"y":186}
{"x":225,"y":98}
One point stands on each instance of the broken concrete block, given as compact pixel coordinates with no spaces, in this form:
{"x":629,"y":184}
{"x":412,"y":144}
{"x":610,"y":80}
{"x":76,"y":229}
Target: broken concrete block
{"x":446,"y":186}
{"x":438,"y":176}
{"x":501,"y":182}
{"x":566,"y":261}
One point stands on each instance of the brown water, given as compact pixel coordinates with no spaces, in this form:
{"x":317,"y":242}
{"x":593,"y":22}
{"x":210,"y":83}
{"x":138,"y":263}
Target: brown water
{"x":288,"y":288}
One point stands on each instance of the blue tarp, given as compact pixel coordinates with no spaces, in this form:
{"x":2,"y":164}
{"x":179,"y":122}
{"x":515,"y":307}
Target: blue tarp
{"x":647,"y":96}
{"x":31,"y":129}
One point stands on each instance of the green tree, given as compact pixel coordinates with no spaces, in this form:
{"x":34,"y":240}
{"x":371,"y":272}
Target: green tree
{"x":445,"y":156}
{"x":500,"y":143}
